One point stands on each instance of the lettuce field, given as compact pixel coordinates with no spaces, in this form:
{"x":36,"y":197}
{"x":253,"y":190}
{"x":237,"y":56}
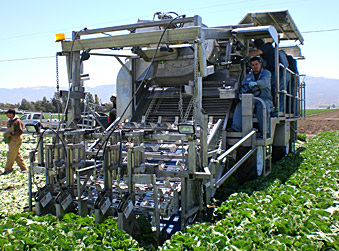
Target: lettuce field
{"x":294,"y":208}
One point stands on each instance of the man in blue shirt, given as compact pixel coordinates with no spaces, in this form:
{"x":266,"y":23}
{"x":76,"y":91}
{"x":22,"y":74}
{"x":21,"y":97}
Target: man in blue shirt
{"x":267,"y":52}
{"x":258,"y":78}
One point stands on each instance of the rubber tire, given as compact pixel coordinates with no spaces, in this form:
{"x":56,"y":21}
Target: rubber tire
{"x":248,"y":170}
{"x":260,"y":160}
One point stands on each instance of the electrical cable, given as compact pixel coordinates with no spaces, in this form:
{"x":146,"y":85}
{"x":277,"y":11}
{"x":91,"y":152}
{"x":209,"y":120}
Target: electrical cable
{"x":46,"y":129}
{"x":336,"y":29}
{"x":33,"y":58}
{"x":236,"y":2}
{"x":22,"y":59}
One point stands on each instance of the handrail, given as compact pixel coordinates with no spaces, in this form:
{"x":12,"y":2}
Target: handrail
{"x":234,"y":168}
{"x":264,"y":122}
{"x":302,"y":94}
{"x":288,"y":92}
{"x":235,"y":146}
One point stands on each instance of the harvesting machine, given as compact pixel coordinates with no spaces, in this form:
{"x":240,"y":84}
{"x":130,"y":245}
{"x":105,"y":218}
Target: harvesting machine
{"x":169,"y":149}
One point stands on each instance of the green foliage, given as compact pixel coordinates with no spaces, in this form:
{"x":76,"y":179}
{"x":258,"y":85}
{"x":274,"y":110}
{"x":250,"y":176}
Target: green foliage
{"x":53,"y":105}
{"x":147,"y":236}
{"x":302,"y":137}
{"x":14,"y":186}
{"x":310,"y":112}
{"x":6,"y":140}
{"x":294,"y":208}
{"x":291,"y":209}
{"x":43,"y":105}
{"x":3,"y":116}
{"x":24,"y":231}
{"x":73,"y":232}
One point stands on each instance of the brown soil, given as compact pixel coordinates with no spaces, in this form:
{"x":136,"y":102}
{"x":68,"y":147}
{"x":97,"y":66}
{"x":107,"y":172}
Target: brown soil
{"x":314,"y":124}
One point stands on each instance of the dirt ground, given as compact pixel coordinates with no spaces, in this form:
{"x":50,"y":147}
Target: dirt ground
{"x":314,"y":124}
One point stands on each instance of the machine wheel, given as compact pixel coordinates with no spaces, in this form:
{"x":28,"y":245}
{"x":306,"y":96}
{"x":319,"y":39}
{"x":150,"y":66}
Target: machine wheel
{"x":260,"y":158}
{"x":252,"y":167}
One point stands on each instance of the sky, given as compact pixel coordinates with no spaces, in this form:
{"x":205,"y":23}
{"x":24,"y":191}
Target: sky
{"x":28,"y":28}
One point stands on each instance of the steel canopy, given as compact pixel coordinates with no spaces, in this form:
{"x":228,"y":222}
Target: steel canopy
{"x":267,"y":31}
{"x":280,"y":19}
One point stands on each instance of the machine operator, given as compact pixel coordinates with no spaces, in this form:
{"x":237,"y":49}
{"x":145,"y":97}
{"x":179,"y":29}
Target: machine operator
{"x":257,"y":79}
{"x":267,"y":52}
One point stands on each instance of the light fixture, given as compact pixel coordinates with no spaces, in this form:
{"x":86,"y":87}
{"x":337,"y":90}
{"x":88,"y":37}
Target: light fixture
{"x":186,"y":127}
{"x":60,"y":37}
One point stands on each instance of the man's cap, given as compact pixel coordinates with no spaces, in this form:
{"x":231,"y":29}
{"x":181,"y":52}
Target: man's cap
{"x":113,"y":98}
{"x":10,"y":110}
{"x":255,"y":58}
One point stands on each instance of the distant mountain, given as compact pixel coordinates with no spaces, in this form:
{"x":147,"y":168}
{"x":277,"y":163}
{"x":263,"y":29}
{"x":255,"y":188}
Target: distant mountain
{"x":320,"y":92}
{"x":15,"y":95}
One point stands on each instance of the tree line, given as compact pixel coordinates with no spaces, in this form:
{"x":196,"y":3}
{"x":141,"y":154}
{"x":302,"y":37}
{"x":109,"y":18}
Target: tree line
{"x":56,"y":104}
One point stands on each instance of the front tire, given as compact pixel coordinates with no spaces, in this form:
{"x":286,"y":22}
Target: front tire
{"x":253,"y":167}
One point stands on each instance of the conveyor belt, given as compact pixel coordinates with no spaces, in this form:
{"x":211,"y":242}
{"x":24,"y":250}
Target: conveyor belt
{"x":168,"y":108}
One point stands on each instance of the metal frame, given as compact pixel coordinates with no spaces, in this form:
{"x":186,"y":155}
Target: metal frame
{"x":142,"y":166}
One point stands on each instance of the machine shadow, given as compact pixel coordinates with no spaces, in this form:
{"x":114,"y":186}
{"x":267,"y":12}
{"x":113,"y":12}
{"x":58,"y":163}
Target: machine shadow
{"x":281,"y":170}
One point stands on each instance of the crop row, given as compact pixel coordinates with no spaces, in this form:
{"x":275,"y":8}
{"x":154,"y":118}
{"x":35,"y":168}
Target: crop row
{"x":28,"y":232}
{"x":14,"y":187}
{"x":295,"y":208}
{"x":24,"y":231}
